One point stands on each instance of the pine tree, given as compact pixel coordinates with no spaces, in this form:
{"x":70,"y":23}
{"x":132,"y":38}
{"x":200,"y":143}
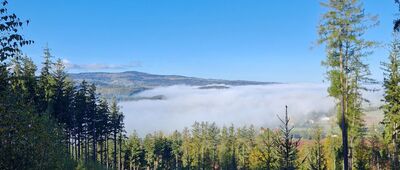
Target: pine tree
{"x":245,"y":143}
{"x":267,"y":148}
{"x":176,"y":144}
{"x":79,"y":106}
{"x":16,"y":81}
{"x":92,"y":119}
{"x":136,"y":152}
{"x":226,"y":148}
{"x":149,"y":147}
{"x":378,"y":151}
{"x":30,"y":83}
{"x":187,"y":158}
{"x":213,"y":138}
{"x":391,"y":107}
{"x":316,"y":157}
{"x":46,"y":84}
{"x":342,"y":29}
{"x":286,"y":145}
{"x":117,"y":126}
{"x":62,"y":100}
{"x":103,"y":130}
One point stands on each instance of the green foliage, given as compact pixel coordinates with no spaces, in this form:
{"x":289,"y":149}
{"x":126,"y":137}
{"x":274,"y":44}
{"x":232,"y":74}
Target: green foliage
{"x":391,"y":108}
{"x":316,"y":157}
{"x":342,"y":30}
{"x":362,"y":155}
{"x":286,"y":145}
{"x":10,"y":39}
{"x":265,"y":156}
{"x":135,"y":152}
{"x":46,"y":85}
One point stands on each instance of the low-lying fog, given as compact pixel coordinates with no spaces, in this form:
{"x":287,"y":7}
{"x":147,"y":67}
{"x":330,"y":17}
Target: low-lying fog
{"x":240,"y":105}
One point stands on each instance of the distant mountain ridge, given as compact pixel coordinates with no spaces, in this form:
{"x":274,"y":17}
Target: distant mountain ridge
{"x":124,"y":85}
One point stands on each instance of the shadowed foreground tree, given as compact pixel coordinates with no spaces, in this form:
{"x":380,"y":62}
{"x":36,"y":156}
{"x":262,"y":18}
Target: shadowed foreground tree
{"x":27,"y":141}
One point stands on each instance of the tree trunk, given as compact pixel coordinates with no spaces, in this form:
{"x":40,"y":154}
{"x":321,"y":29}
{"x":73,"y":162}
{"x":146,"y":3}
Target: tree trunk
{"x":120,"y":151}
{"x":115,"y":149}
{"x":94,"y":143}
{"x":342,"y":103}
{"x":396,"y":152}
{"x":67,"y":139}
{"x":101,"y":151}
{"x":76,"y":149}
{"x":79,"y":146}
{"x":86,"y":148}
{"x":106,"y":152}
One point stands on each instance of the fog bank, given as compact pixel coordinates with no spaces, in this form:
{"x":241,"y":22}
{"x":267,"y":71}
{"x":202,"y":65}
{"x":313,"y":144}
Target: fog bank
{"x":240,"y":105}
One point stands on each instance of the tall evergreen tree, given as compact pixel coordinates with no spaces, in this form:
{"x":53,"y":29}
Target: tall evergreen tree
{"x":391,"y":108}
{"x":62,"y":98}
{"x":30,"y":83}
{"x":103,"y":128}
{"x":46,"y":83}
{"x":92,"y":119}
{"x":342,"y":29}
{"x":79,"y":111}
{"x":117,"y":126}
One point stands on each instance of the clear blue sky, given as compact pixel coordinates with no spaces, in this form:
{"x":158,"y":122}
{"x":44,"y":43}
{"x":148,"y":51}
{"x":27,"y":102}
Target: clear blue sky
{"x":261,"y":40}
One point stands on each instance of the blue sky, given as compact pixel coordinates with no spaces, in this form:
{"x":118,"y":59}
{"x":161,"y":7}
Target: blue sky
{"x":261,"y":40}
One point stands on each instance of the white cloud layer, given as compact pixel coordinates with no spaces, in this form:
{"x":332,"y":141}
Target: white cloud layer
{"x":240,"y":105}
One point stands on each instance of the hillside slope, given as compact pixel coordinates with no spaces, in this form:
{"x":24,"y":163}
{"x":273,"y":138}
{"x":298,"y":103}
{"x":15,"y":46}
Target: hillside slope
{"x":125,"y":85}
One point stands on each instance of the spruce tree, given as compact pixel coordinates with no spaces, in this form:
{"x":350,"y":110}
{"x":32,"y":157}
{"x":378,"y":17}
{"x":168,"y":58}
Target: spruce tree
{"x":103,"y":125}
{"x":342,"y":29}
{"x":117,"y":126}
{"x":136,"y":152}
{"x":176,"y":144}
{"x":149,"y":147}
{"x":391,"y":107}
{"x":316,"y":157}
{"x":30,"y":83}
{"x":187,"y":158}
{"x":286,"y":145}
{"x":245,"y":143}
{"x":46,"y":83}
{"x":268,"y":149}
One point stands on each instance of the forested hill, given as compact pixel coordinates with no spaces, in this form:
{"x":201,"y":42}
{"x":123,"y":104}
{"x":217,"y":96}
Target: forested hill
{"x":125,"y":85}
